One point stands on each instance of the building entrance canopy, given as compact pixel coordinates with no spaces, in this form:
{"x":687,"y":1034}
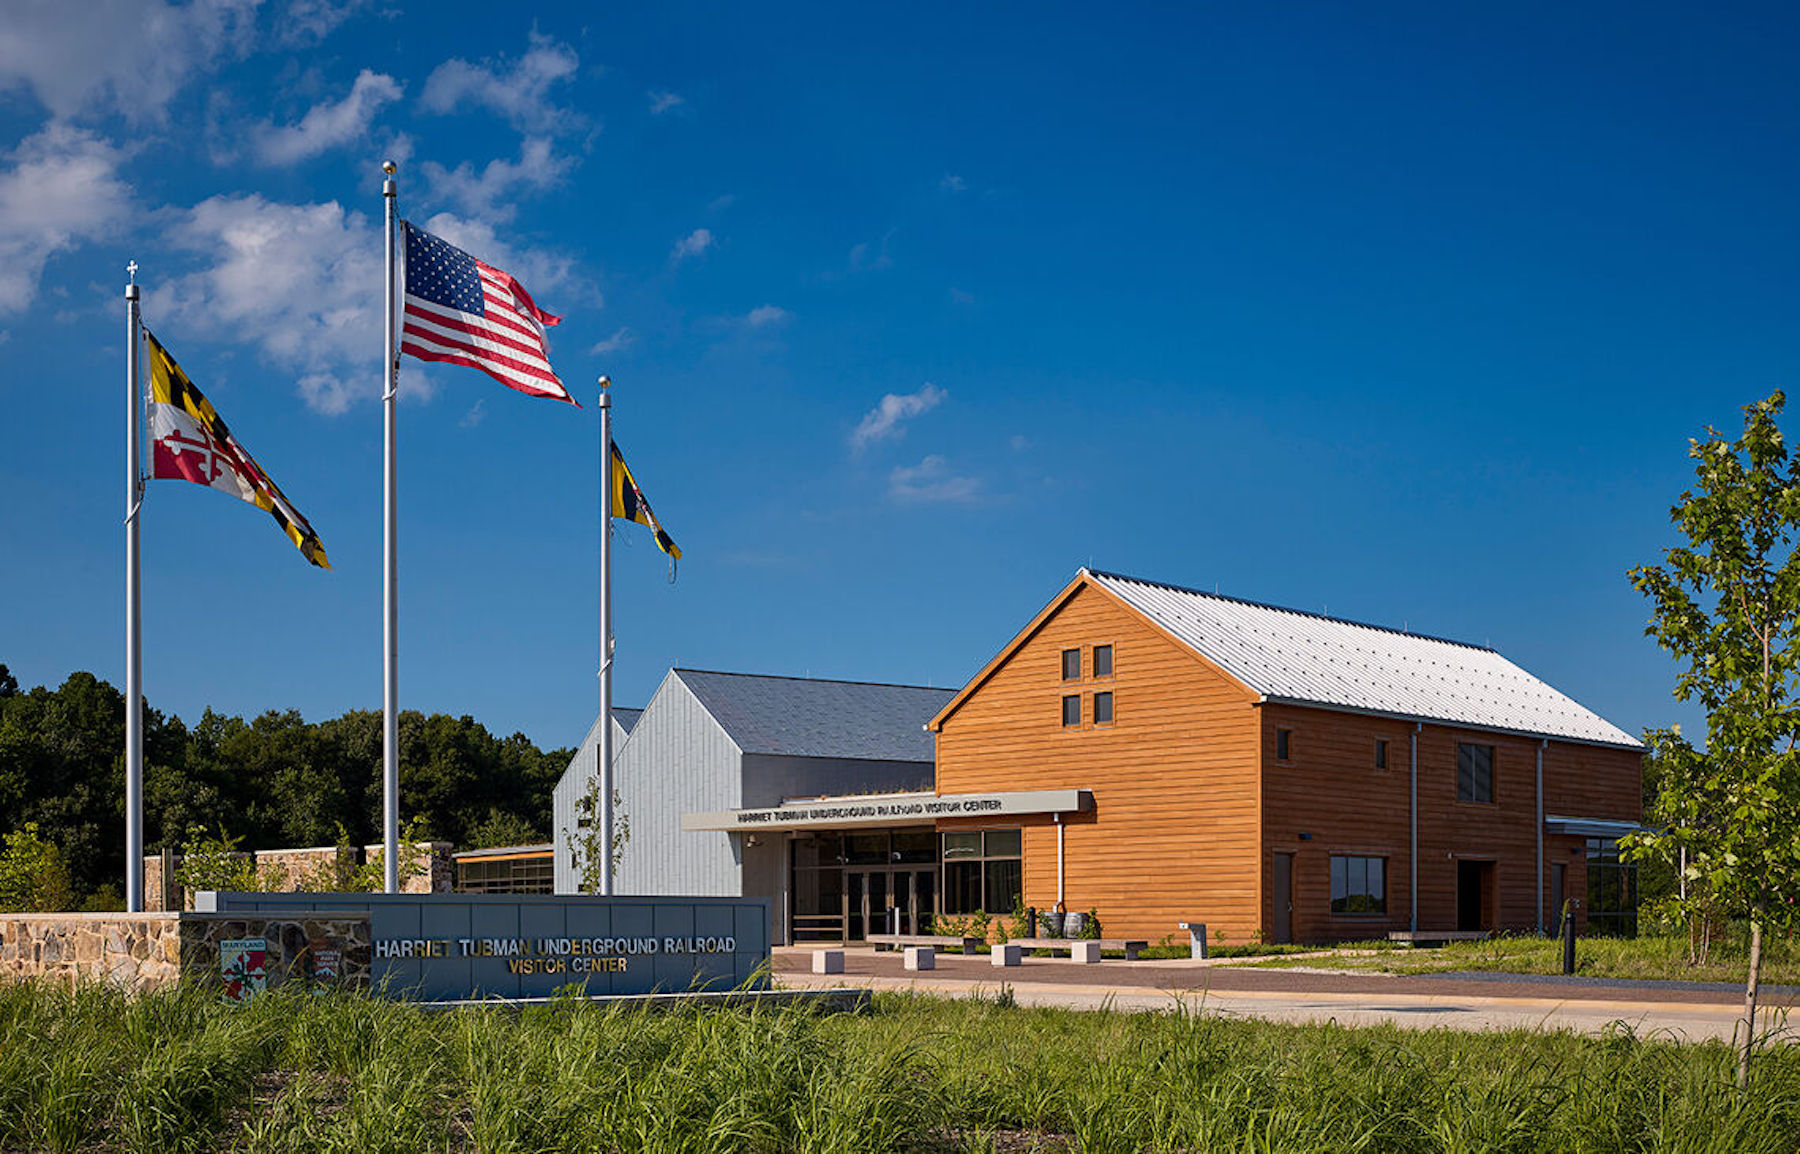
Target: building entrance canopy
{"x":889,"y":809}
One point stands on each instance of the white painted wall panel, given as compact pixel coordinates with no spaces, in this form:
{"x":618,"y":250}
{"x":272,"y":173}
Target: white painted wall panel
{"x":678,"y":759}
{"x":571,"y":787}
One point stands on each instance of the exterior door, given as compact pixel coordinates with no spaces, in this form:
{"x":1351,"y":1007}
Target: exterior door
{"x":856,"y":906}
{"x":1473,"y":881}
{"x":1283,"y":890}
{"x":876,"y":901}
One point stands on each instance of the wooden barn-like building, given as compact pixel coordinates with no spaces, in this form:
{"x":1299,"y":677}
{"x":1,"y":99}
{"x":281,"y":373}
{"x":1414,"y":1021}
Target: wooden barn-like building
{"x":1288,"y":776}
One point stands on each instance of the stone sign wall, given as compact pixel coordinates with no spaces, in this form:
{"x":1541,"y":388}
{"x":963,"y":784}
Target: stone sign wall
{"x":457,"y":946}
{"x":154,"y":951}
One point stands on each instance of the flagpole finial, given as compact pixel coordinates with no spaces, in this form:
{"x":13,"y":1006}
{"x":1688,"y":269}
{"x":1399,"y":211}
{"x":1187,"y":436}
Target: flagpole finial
{"x":131,"y":271}
{"x":605,"y":392}
{"x":389,"y":167}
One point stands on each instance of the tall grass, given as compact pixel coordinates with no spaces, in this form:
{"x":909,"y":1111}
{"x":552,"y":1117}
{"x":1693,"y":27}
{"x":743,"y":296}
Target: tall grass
{"x":94,"y":1070}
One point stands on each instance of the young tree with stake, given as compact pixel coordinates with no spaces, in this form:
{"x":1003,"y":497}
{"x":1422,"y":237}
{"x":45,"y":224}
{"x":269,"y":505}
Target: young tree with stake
{"x":1727,"y":604}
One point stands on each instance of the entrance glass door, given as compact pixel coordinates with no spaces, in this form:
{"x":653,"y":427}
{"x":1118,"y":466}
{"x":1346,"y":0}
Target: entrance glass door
{"x":888,"y":901}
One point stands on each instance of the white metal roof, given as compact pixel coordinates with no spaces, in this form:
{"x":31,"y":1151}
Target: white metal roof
{"x":1288,"y":655}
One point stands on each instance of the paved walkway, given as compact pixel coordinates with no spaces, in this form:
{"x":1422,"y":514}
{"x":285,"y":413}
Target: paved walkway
{"x":1686,"y":1011}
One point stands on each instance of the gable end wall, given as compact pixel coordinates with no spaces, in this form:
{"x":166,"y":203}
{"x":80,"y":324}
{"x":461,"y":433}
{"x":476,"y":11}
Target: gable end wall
{"x":1175,"y":832}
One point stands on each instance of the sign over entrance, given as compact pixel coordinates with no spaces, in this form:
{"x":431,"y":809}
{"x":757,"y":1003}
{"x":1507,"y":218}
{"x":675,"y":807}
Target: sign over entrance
{"x":889,"y":809}
{"x":446,"y":947}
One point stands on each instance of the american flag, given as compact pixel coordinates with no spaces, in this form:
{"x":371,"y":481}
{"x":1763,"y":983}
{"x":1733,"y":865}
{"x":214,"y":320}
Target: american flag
{"x":467,"y":313}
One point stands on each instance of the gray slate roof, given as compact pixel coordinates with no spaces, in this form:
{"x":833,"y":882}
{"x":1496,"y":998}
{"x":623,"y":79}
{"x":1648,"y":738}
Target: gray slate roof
{"x":804,"y":717}
{"x":1290,"y":655}
{"x":624,"y":715}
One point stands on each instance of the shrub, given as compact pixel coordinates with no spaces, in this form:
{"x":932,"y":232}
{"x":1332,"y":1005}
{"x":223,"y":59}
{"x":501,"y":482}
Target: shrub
{"x":33,"y":876}
{"x":216,"y":863}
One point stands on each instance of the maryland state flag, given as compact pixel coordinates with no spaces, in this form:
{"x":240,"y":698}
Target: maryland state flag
{"x":628,"y":502}
{"x":190,"y":443}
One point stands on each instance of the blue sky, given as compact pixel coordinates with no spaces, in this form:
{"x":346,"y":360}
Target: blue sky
{"x":1403,"y":313}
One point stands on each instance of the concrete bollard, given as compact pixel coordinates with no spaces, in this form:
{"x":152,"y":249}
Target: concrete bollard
{"x":920,"y":958}
{"x":1008,"y":954}
{"x":1196,"y":939}
{"x":828,"y":961}
{"x":1088,"y":952}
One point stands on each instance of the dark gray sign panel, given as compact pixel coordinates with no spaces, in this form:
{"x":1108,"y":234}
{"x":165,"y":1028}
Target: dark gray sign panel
{"x":445,"y":947}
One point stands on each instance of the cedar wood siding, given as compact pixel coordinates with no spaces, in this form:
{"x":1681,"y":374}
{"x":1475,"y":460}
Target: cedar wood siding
{"x":1175,"y":832}
{"x":1330,"y":789}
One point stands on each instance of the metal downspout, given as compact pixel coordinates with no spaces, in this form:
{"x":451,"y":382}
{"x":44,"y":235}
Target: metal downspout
{"x":1413,"y":857}
{"x":1542,"y":745}
{"x":1059,"y":865}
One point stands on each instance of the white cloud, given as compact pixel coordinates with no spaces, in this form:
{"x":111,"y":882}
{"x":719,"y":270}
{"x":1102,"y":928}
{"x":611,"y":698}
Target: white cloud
{"x":302,"y":282}
{"x":661,"y":102}
{"x":887,"y":420}
{"x":487,"y":194}
{"x":128,"y":55}
{"x":519,"y":91}
{"x":693,"y":244}
{"x":862,"y":261}
{"x":762,"y":316}
{"x":621,"y":338}
{"x":721,"y":203}
{"x":62,"y":187}
{"x":306,"y":22}
{"x":328,"y":125}
{"x":959,"y":297}
{"x":476,"y":414}
{"x":952,"y":183}
{"x":931,"y":480}
{"x":399,"y":149}
{"x":327,"y":393}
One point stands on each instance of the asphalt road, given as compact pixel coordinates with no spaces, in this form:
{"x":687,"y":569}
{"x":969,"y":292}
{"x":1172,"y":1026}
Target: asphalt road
{"x":1685,"y":1011}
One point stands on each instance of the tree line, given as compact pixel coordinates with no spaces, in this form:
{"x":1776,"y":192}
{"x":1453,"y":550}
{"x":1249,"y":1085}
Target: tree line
{"x":276,"y":781}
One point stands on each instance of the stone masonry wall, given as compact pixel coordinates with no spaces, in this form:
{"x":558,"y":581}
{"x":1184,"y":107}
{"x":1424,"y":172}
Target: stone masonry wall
{"x":438,"y":877}
{"x":294,"y":944}
{"x":140,"y":952}
{"x":143,"y":952}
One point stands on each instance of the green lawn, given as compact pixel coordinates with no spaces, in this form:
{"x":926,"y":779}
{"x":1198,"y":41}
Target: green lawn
{"x":181,"y":1072}
{"x":1645,"y":958}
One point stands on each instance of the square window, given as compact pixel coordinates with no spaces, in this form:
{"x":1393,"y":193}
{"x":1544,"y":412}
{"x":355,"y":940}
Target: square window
{"x":961,"y":845}
{"x":1381,"y":755}
{"x":1102,"y":661}
{"x":1284,"y":743}
{"x":1072,"y":711}
{"x":1102,"y":709}
{"x":1003,"y":842}
{"x":1358,"y":885}
{"x":1071,"y":665}
{"x":1475,"y":773}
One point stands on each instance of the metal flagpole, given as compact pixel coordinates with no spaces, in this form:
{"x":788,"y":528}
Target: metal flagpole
{"x":390,"y":583}
{"x":604,"y":755}
{"x":134,"y":625}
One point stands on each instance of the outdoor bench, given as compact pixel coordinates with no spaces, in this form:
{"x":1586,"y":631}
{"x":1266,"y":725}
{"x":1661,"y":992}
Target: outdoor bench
{"x":1129,"y":946}
{"x":937,"y":941}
